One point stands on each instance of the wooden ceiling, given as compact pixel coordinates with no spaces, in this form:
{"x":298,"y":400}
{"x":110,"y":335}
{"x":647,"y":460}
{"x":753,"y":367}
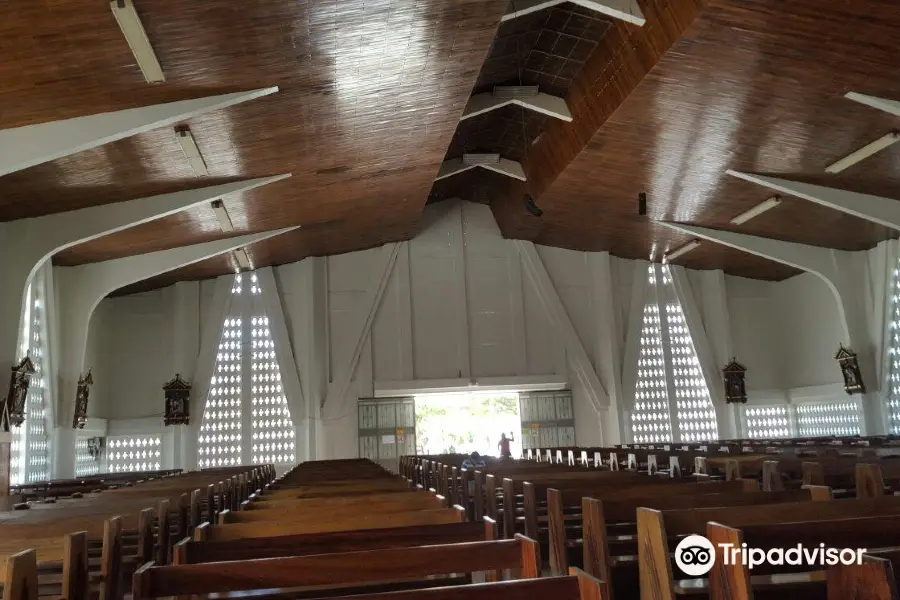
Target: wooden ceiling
{"x":370,"y":101}
{"x":752,"y":85}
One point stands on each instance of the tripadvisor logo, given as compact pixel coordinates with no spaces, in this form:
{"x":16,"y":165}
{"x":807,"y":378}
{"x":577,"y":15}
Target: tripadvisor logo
{"x":695,"y":555}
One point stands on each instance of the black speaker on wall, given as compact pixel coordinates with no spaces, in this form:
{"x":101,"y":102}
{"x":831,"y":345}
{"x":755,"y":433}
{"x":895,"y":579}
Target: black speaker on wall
{"x":531,"y":207}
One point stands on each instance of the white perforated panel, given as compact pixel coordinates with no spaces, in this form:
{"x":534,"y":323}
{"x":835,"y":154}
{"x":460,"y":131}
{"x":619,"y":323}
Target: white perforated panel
{"x":85,"y":464}
{"x":247,"y":380}
{"x":894,"y":413}
{"x":29,"y":460}
{"x":272,"y":429}
{"x":37,"y":460}
{"x":894,"y":356}
{"x":650,"y":417}
{"x":134,"y":453}
{"x":767,"y":422}
{"x":832,"y":418}
{"x":219,"y":444}
{"x":694,"y":409}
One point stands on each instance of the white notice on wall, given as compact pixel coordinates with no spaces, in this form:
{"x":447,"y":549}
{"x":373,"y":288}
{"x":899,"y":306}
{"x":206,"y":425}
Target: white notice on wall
{"x":388,"y":439}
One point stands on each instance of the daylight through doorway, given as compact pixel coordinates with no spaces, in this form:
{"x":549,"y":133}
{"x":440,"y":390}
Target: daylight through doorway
{"x":467,"y":422}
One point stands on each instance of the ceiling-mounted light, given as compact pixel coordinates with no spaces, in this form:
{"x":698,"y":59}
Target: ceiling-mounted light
{"x":240,"y":256}
{"x":757,"y":210}
{"x":222,"y":216}
{"x":133,"y":30}
{"x":864,"y":152}
{"x":191,"y":151}
{"x":670,"y":256}
{"x":531,"y":207}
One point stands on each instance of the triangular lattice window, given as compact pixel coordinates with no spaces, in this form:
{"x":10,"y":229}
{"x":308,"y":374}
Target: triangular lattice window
{"x":650,"y":420}
{"x":30,"y":452}
{"x":667,"y":365}
{"x":246,"y":414}
{"x":894,"y":353}
{"x":693,"y":406}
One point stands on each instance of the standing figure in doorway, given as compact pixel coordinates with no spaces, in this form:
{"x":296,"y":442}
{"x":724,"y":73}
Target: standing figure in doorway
{"x":504,"y":445}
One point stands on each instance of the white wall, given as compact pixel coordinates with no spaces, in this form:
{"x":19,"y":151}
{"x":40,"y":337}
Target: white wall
{"x":811,"y":330}
{"x":786,"y":333}
{"x":755,"y":332}
{"x":458,"y":306}
{"x":133,"y":361}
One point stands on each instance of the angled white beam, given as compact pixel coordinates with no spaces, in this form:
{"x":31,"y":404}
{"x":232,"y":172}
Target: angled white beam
{"x":81,"y":288}
{"x":800,"y":256}
{"x":62,"y":230}
{"x":33,"y":241}
{"x":884,"y":211}
{"x":709,"y":366}
{"x":31,"y":145}
{"x":625,"y":10}
{"x":287,"y":365}
{"x":552,"y":106}
{"x":888,"y":106}
{"x":608,"y":344}
{"x":580,"y":361}
{"x":336,"y":401}
{"x":504,"y":166}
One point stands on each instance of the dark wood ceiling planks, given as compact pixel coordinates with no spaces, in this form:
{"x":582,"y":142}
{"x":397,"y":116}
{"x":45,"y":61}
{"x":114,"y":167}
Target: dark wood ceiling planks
{"x":371,"y":93}
{"x":755,"y":85}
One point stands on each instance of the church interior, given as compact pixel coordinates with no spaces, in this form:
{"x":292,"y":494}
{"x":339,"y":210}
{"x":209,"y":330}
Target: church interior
{"x":496,"y":279}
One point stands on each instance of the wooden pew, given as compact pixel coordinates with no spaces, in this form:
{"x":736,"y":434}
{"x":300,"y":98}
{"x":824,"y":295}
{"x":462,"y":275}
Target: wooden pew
{"x":192,"y":552}
{"x":515,"y":487}
{"x":576,"y":586}
{"x":76,"y":541}
{"x":306,"y":510}
{"x":617,"y":512}
{"x":356,"y":569}
{"x":734,"y":581}
{"x":874,"y":579}
{"x":623,"y":487}
{"x":657,"y":528}
{"x":234,"y":531}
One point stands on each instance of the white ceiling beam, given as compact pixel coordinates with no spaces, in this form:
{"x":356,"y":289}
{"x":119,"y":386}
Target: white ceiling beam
{"x":504,"y":166}
{"x":800,"y":256}
{"x":884,"y":211}
{"x":545,"y":104}
{"x":80,"y":289}
{"x":625,"y":10}
{"x":59,"y":231}
{"x":23,"y":147}
{"x":888,"y":106}
{"x":33,"y":241}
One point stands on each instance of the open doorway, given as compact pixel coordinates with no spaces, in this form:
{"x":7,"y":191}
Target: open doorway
{"x":467,"y":422}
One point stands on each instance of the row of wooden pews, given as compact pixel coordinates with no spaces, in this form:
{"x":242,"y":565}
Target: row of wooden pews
{"x":57,"y":488}
{"x":87,"y":545}
{"x":349,"y":528}
{"x":623,"y":525}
